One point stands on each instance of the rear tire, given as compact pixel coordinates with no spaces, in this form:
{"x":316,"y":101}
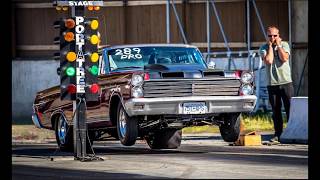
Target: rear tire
{"x":165,"y":139}
{"x":64,"y":136}
{"x":230,"y":130}
{"x":127,"y":127}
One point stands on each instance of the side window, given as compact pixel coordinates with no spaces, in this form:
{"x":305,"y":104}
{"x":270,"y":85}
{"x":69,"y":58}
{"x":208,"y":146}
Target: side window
{"x":113,"y":65}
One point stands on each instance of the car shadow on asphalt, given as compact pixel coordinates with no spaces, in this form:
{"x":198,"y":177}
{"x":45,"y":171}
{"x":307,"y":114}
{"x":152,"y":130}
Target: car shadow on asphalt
{"x":254,"y":155}
{"x":115,"y":148}
{"x":52,"y":150}
{"x":47,"y":153}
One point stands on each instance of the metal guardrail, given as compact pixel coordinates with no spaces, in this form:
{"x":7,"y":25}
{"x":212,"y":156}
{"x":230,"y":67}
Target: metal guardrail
{"x":232,"y":55}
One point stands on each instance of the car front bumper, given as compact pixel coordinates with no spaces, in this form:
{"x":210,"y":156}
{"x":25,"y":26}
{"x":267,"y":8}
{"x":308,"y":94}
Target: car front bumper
{"x":174,"y":105}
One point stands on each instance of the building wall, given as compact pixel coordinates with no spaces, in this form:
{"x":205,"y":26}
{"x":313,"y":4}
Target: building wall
{"x":29,"y":77}
{"x":145,"y":22}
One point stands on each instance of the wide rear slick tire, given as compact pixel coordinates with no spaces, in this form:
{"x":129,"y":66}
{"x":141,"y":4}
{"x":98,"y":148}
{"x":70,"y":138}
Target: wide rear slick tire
{"x":127,"y":127}
{"x":230,"y":130}
{"x":165,"y":139}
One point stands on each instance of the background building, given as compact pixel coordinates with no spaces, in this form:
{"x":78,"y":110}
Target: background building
{"x":145,"y":21}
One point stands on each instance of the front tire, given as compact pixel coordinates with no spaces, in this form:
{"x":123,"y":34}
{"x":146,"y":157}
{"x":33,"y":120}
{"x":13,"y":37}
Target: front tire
{"x":127,"y":127}
{"x":230,"y":130}
{"x":165,"y":139}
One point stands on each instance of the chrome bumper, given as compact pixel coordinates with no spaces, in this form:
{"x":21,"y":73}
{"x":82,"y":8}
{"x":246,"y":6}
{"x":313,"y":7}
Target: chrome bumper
{"x":174,"y":105}
{"x":35,"y":119}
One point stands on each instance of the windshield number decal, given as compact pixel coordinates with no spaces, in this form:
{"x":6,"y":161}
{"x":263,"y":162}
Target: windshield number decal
{"x":129,"y":53}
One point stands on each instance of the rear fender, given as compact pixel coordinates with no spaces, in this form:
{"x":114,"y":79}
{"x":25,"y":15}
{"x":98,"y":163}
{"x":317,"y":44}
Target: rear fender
{"x":54,"y":116}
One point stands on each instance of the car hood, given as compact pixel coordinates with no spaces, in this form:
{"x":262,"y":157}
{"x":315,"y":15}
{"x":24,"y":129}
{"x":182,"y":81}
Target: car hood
{"x":158,"y":71}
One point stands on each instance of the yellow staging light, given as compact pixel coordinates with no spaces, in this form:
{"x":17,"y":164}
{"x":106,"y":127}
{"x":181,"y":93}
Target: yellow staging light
{"x":94,"y":24}
{"x":69,"y":36}
{"x":94,"y":57}
{"x":65,"y":8}
{"x":90,"y":8}
{"x":58,"y":8}
{"x":96,"y":8}
{"x":69,"y":23}
{"x":71,"y":56}
{"x":94,"y":39}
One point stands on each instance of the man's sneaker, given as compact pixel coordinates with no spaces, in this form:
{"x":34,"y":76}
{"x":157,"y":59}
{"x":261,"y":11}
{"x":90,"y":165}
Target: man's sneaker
{"x":275,"y":140}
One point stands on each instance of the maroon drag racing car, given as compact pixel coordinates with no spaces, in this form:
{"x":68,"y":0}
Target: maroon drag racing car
{"x":152,"y":91}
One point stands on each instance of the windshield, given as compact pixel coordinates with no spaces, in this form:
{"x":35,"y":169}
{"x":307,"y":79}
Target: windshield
{"x":138,"y":57}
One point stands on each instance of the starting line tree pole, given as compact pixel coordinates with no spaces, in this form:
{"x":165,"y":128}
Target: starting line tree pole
{"x":81,"y":84}
{"x":80,"y":128}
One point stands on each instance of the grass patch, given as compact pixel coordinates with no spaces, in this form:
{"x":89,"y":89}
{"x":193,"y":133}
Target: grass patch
{"x":260,"y":122}
{"x":201,"y":129}
{"x":30,"y":132}
{"x":252,"y":122}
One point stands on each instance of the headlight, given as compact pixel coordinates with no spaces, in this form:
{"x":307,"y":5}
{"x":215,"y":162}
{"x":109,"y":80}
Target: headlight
{"x":137,"y":80}
{"x":246,"y":89}
{"x":246,"y":77}
{"x":137,"y":92}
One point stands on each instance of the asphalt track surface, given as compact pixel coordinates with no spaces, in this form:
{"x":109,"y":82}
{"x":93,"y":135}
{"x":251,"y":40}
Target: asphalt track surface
{"x":199,"y":156}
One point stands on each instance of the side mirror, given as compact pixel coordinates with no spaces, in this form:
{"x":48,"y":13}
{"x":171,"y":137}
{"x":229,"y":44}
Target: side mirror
{"x":58,"y":71}
{"x":211,"y":64}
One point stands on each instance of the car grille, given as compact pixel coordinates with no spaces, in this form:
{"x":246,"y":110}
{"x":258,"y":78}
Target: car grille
{"x":194,"y":87}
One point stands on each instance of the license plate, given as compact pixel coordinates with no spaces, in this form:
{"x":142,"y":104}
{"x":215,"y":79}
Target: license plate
{"x":194,"y":108}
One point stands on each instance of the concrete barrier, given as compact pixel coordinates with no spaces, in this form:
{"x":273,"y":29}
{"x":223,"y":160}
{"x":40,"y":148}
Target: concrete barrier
{"x":297,"y":127}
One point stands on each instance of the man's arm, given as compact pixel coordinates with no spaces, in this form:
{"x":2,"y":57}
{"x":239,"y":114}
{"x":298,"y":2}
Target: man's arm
{"x":268,"y":57}
{"x":283,"y":55}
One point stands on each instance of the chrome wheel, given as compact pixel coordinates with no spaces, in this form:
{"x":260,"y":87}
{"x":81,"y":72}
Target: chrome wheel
{"x":64,"y":133}
{"x":62,"y":130}
{"x":127,"y":127}
{"x":122,"y":123}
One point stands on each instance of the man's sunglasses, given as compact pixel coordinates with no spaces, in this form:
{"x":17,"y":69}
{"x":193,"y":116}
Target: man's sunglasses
{"x":272,"y":35}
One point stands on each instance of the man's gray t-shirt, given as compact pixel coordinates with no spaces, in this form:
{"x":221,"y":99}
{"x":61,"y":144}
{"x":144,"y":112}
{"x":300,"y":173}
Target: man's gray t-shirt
{"x":278,"y":72}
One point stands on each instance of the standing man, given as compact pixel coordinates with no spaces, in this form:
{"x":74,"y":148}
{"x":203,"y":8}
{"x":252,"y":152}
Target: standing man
{"x":275,"y":54}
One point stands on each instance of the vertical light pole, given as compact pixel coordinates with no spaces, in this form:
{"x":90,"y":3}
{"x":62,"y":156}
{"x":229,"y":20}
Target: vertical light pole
{"x":168,"y":20}
{"x":208,"y":30}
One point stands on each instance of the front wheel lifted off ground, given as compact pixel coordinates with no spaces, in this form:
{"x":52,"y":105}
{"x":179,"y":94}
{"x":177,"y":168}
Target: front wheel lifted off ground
{"x":127,"y":127}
